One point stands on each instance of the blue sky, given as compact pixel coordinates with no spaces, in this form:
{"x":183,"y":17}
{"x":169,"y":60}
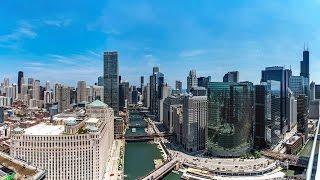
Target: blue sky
{"x":64,"y":40}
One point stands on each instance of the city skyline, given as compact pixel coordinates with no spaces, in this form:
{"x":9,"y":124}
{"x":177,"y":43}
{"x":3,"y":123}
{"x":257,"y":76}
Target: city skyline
{"x":268,"y":37}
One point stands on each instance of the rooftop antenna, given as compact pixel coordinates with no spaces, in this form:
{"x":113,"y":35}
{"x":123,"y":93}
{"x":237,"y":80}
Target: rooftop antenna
{"x":304,"y":46}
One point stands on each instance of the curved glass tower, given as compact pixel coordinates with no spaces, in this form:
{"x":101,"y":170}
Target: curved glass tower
{"x":230,"y":118}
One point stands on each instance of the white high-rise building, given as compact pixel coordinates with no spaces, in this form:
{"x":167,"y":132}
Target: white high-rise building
{"x":192,"y":80}
{"x":72,"y":147}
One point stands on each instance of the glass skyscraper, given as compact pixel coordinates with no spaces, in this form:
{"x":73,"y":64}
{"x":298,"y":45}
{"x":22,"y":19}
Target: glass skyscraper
{"x":230,"y":118}
{"x":156,"y":82}
{"x":281,"y":75}
{"x":274,"y":130}
{"x":111,"y":80}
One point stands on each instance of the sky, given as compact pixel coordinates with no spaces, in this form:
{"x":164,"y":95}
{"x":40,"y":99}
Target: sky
{"x":63,"y":41}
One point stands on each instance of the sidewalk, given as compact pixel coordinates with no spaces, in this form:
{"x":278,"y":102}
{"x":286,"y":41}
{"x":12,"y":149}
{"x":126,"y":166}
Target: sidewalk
{"x":112,"y":171}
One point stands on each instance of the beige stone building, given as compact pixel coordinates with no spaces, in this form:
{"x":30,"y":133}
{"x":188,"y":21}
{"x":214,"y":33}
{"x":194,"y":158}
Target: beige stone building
{"x":75,"y":146}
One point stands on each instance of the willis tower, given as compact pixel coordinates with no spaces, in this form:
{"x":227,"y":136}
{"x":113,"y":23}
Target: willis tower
{"x":304,"y":64}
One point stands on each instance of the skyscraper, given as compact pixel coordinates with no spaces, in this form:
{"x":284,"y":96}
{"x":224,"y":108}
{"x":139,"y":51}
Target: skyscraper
{"x":192,"y":80}
{"x":82,"y":93}
{"x":299,"y":85}
{"x":262,"y":115}
{"x":155,"y":70}
{"x":230,"y":118}
{"x":194,"y":136}
{"x":275,"y":130}
{"x":156,"y":82}
{"x":312,"y":91}
{"x":100,"y":81}
{"x":302,"y":114}
{"x":97,"y":93}
{"x":135,"y":95}
{"x":111,"y":80}
{"x":20,"y":76}
{"x":146,"y":95}
{"x":179,"y":86}
{"x":168,"y":104}
{"x":198,"y":91}
{"x":203,"y":81}
{"x":317,"y":91}
{"x":36,"y":90}
{"x":1,"y":115}
{"x":232,"y":76}
{"x":123,"y":94}
{"x":64,"y":103}
{"x":304,"y":64}
{"x":282,"y":75}
{"x":141,"y":83}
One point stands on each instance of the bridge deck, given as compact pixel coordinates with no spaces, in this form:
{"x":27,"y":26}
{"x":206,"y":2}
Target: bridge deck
{"x":161,"y":171}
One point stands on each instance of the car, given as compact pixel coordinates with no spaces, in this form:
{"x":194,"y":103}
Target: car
{"x":111,"y":174}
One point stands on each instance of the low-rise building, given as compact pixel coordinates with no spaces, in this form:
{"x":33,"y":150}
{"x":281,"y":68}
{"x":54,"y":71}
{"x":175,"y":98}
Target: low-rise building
{"x":119,"y":127}
{"x":294,"y":144}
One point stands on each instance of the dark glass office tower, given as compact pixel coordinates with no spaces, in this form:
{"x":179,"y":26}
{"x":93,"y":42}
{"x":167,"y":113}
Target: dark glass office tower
{"x":230,"y":118}
{"x":141,"y":83}
{"x":1,"y":115}
{"x":123,"y":94}
{"x":302,"y":114}
{"x":282,"y":75}
{"x":304,"y":64}
{"x":203,"y":81}
{"x":232,"y":76}
{"x":156,"y":82}
{"x":135,"y":95}
{"x":20,"y":76}
{"x":111,"y":80}
{"x":262,"y":115}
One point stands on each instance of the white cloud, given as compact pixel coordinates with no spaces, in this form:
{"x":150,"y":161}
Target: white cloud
{"x":193,"y":53}
{"x":57,"y":22}
{"x":25,"y":30}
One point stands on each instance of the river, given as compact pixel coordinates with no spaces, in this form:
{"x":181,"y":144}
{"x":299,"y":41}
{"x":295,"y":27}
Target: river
{"x":139,"y":156}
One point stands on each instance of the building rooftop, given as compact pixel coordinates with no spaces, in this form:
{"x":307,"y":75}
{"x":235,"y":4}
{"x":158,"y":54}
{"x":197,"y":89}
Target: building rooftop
{"x":44,"y":129}
{"x":97,"y":103}
{"x":292,"y":140}
{"x":92,"y":120}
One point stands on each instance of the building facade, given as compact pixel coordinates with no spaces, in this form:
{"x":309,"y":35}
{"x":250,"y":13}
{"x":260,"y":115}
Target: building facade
{"x":232,"y":76}
{"x":281,"y":75}
{"x":70,"y":148}
{"x":262,"y":115}
{"x":192,"y":80}
{"x":82,"y":92}
{"x":194,"y":136}
{"x":111,"y":80}
{"x":230,"y":118}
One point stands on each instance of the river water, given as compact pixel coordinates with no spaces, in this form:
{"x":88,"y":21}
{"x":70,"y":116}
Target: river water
{"x":139,"y":156}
